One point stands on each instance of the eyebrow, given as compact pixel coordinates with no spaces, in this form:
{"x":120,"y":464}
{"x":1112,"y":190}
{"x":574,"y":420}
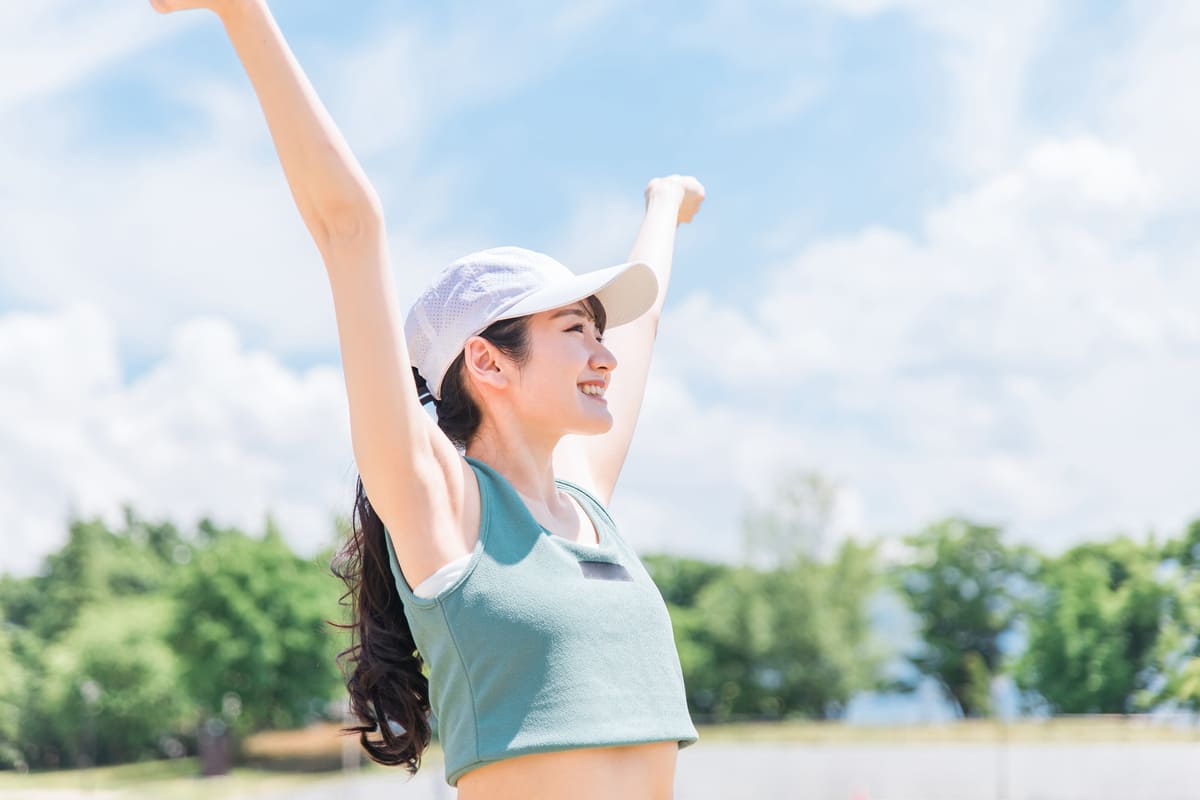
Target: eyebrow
{"x":568,"y":311}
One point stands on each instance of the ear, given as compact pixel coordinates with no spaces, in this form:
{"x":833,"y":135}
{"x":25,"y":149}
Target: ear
{"x":484,"y":364}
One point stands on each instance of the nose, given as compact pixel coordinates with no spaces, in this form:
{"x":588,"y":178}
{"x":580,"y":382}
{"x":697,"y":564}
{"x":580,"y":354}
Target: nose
{"x":602,"y":358}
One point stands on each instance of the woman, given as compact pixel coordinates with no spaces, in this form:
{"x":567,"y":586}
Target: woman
{"x":552,"y":667}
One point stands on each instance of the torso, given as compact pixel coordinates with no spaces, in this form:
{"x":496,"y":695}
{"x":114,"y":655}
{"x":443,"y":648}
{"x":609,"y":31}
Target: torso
{"x":632,"y":772}
{"x":635,"y":772}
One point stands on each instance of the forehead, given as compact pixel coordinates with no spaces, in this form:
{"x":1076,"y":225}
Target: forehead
{"x":578,"y":309}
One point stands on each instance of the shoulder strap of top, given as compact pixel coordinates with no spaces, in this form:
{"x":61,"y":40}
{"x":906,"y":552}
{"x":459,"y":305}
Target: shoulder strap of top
{"x":589,"y":498}
{"x":503,"y":507}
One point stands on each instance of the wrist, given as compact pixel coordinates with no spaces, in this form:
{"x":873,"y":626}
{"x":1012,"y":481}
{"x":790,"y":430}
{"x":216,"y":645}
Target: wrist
{"x":664,"y":192}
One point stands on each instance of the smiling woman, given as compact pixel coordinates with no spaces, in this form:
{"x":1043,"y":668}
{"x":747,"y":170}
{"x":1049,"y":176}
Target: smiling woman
{"x":482,"y":546}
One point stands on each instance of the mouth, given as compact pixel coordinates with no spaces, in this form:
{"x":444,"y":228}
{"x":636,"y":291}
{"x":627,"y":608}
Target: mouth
{"x":593,"y":392}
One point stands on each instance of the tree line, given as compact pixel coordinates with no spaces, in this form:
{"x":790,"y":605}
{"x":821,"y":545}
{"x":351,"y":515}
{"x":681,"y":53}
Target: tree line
{"x":128,"y":642}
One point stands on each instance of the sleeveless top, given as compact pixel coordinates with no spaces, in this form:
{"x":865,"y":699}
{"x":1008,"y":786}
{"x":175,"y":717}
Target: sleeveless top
{"x":447,"y":574}
{"x":545,"y":644}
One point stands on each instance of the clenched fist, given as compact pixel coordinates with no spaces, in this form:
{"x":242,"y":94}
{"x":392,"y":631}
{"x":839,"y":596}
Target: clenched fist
{"x":689,"y":191}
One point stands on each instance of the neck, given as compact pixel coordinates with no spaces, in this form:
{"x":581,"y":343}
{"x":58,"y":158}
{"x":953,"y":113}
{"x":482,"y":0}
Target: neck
{"x":527,"y":461}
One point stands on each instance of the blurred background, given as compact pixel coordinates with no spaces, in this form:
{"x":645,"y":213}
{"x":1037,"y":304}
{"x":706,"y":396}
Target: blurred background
{"x":916,"y":468}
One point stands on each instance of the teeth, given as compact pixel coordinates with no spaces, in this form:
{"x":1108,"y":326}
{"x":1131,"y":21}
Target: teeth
{"x":594,"y":390}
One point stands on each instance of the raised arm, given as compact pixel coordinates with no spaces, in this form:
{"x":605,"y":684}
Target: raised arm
{"x":398,"y":448}
{"x":331,"y":191}
{"x":597,"y":460}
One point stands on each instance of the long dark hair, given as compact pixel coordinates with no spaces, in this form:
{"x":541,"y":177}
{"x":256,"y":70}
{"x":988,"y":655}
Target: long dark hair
{"x":389,"y":693}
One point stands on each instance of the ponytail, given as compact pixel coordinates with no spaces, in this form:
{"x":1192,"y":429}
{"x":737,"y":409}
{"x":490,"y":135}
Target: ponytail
{"x":381,"y":666}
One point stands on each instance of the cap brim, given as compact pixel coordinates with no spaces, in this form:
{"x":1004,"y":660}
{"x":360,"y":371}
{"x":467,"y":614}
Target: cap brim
{"x":626,"y":291}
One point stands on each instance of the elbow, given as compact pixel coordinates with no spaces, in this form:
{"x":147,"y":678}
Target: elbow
{"x":352,"y":218}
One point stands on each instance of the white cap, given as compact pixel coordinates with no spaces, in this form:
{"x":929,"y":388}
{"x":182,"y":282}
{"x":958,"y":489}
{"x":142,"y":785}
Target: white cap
{"x":471,"y":293}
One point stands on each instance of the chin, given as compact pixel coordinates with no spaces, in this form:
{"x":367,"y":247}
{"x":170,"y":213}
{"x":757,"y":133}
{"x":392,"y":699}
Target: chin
{"x":595,"y":426}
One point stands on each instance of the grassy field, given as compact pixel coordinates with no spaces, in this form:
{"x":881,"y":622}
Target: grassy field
{"x":277,"y":760}
{"x":175,"y":778}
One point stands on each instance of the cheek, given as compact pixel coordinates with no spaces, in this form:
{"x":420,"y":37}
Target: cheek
{"x":558,"y":355}
{"x":557,"y":378}
{"x":556,"y":362}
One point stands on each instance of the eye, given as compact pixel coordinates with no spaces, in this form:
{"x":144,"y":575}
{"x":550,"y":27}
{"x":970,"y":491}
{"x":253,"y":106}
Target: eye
{"x":579,"y":328}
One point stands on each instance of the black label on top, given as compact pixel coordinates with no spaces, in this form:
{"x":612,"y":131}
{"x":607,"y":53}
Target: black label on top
{"x":604,"y":571}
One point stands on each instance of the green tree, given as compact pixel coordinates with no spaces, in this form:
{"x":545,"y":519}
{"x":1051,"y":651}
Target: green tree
{"x":853,"y":580}
{"x":91,"y":617}
{"x":94,"y":565}
{"x":127,"y":639}
{"x":108,"y":689}
{"x":787,"y":633}
{"x":824,"y":650}
{"x":1094,"y":632}
{"x":731,"y":631}
{"x":14,"y":681}
{"x":680,"y":579}
{"x":1178,"y":649}
{"x":965,"y":587}
{"x":250,"y":629}
{"x":795,"y":640}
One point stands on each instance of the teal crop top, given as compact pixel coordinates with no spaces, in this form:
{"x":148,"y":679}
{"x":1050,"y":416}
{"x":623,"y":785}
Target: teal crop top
{"x":545,"y":644}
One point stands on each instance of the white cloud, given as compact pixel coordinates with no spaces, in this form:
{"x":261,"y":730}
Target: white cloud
{"x":212,"y":429}
{"x":1028,"y":360}
{"x":788,"y":58}
{"x":600,"y":230}
{"x":204,"y":223}
{"x":863,"y":8}
{"x":203,"y":230}
{"x":51,"y":45}
{"x":1147,"y":97}
{"x":986,"y":51}
{"x":120,"y":246}
{"x":404,"y":81}
{"x":1027,"y":356}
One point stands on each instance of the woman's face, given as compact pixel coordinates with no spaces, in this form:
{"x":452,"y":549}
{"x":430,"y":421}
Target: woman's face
{"x":566,"y":351}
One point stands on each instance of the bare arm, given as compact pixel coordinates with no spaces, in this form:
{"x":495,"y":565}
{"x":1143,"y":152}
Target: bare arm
{"x":401,"y":454}
{"x":597,"y":460}
{"x":326,"y":181}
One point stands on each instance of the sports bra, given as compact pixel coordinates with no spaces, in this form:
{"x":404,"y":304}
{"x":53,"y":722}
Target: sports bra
{"x":542,"y":643}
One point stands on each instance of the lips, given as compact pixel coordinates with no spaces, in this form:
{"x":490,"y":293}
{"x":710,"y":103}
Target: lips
{"x":595,"y":391}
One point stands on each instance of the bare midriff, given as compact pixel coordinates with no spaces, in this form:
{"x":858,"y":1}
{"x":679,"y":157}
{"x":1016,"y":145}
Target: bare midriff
{"x":629,"y":772}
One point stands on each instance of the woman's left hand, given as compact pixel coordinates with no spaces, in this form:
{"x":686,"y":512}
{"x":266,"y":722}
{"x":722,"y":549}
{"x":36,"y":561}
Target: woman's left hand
{"x":688,"y":190}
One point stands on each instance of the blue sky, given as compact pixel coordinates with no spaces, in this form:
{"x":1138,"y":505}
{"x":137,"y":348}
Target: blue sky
{"x":947,"y":257}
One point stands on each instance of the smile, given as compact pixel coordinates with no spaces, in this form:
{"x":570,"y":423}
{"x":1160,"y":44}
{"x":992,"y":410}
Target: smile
{"x":594,"y":392}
